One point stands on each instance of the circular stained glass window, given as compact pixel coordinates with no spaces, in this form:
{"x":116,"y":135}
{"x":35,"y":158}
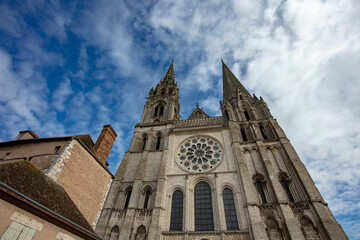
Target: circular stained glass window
{"x":199,"y":154}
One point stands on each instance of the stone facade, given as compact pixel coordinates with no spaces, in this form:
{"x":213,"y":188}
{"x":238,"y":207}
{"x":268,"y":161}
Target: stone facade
{"x":84,"y":179}
{"x":254,"y":183}
{"x":43,"y":230}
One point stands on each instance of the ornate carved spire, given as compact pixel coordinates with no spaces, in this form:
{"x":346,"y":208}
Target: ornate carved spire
{"x":170,"y":73}
{"x":163,"y":101}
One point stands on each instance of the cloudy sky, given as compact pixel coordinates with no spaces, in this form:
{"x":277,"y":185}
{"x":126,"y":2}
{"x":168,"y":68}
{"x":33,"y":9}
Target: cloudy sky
{"x":69,"y":68}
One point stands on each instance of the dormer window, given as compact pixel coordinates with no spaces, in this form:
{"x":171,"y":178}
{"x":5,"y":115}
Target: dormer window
{"x":56,"y":150}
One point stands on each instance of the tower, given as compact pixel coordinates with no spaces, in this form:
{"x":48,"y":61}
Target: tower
{"x":234,"y":176}
{"x":163,"y":102}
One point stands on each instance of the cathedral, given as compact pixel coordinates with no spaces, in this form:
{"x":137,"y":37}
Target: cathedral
{"x":234,"y":176}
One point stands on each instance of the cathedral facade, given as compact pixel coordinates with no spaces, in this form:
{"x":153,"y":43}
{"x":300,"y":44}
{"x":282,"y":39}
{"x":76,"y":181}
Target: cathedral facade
{"x":234,"y":176}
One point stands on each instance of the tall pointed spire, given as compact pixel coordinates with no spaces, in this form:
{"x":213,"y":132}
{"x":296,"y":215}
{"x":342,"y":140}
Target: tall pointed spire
{"x":163,"y":101}
{"x":231,"y":84}
{"x":170,"y":72}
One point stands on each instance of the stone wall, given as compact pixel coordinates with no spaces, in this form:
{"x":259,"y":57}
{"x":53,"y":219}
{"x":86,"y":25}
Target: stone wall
{"x":84,"y":179}
{"x":44,"y":230}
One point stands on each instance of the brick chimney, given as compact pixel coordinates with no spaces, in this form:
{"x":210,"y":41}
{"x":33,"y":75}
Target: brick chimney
{"x":105,"y":142}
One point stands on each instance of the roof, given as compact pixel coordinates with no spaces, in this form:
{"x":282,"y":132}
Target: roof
{"x":28,"y":180}
{"x":231,"y":84}
{"x":85,"y":141}
{"x":197,"y":113}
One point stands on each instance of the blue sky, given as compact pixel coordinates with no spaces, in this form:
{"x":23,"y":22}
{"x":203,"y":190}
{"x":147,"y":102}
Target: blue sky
{"x":68,"y":68}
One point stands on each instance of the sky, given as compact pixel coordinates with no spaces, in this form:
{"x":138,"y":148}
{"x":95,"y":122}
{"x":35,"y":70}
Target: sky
{"x":68,"y":68}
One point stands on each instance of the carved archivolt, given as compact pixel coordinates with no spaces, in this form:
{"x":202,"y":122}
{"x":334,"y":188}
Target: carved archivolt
{"x":273,"y":230}
{"x":308,"y":229}
{"x":258,"y":177}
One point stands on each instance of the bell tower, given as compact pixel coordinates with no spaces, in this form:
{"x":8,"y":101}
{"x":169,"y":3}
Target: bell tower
{"x":163,"y":103}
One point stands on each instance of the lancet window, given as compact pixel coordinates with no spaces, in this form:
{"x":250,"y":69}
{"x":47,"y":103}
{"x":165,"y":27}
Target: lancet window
{"x":114,"y":233}
{"x":227,"y":115}
{"x":263,"y":133}
{"x":143,"y":142}
{"x":158,"y":142}
{"x":230,"y":211}
{"x":285,"y":183}
{"x":127,"y":198}
{"x":247,"y":116}
{"x":243,"y":134}
{"x":159,"y":111}
{"x":176,"y":221}
{"x":203,"y":208}
{"x":260,"y":188}
{"x":147,"y":196}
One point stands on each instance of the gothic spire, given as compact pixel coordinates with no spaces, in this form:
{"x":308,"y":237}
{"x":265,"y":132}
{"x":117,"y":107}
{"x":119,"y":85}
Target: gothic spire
{"x":231,"y":84}
{"x":170,"y":72}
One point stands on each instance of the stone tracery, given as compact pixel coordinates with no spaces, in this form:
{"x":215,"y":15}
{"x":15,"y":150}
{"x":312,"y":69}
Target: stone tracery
{"x":199,"y":154}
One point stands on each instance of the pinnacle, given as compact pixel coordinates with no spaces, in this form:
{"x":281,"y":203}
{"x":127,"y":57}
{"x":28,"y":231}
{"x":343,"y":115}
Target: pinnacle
{"x":170,"y":72}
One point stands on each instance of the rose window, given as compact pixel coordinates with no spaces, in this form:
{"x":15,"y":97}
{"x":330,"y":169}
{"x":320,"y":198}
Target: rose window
{"x":199,"y":154}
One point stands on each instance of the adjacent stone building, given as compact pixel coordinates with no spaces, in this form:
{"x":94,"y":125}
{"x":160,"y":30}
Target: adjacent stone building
{"x":234,"y":176}
{"x":53,"y":188}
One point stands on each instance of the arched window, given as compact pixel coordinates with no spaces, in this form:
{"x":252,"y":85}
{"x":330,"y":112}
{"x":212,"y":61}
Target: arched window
{"x":143,"y":143}
{"x":158,"y":142}
{"x":114,"y":233}
{"x":260,"y":189}
{"x":243,"y":134}
{"x":204,"y":220}
{"x":176,"y":220}
{"x":161,"y":110}
{"x":263,"y":133}
{"x":230,"y":211}
{"x":147,"y":196}
{"x":285,"y":184}
{"x":227,"y":115}
{"x":308,"y":229}
{"x":127,"y":200}
{"x":156,"y":112}
{"x":140,"y":233}
{"x":247,"y":115}
{"x":273,"y":230}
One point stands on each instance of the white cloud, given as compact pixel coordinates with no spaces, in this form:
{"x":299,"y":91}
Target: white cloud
{"x":303,"y":58}
{"x":23,"y":101}
{"x":61,"y":94}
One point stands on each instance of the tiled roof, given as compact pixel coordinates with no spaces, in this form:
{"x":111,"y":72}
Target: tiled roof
{"x":28,"y":180}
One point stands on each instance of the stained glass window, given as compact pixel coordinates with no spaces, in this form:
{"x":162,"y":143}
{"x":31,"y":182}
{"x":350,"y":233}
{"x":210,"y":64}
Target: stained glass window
{"x":230,"y":211}
{"x":204,"y":220}
{"x":176,"y":220}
